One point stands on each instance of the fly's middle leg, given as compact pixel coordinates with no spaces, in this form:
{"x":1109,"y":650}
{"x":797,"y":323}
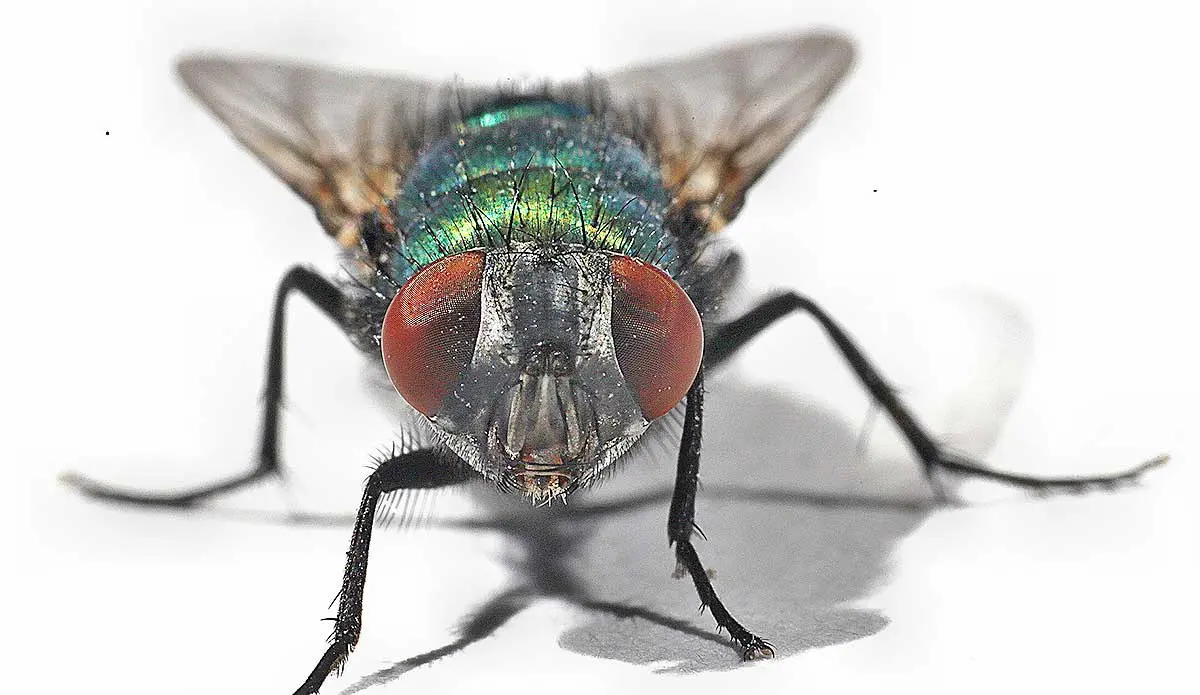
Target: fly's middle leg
{"x":681,"y":525}
{"x":325,"y":296}
{"x":730,"y":337}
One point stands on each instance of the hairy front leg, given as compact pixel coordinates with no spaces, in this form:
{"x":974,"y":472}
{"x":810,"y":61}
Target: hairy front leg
{"x":424,"y":468}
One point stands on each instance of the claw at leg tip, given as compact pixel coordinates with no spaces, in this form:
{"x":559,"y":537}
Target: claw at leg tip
{"x":758,"y":652}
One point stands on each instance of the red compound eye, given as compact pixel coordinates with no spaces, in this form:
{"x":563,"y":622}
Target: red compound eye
{"x":657,"y":334}
{"x":430,"y":328}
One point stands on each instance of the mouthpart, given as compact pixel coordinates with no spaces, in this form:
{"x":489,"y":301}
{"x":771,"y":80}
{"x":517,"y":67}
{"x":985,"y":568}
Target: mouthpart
{"x":541,"y":482}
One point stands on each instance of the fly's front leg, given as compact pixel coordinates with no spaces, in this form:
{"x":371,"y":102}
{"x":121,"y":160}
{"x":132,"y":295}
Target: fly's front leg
{"x":332,"y":302}
{"x":681,"y":525}
{"x":423,"y":468}
{"x":731,"y":337}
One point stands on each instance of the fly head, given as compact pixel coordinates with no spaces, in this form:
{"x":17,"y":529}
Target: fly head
{"x":540,"y":366}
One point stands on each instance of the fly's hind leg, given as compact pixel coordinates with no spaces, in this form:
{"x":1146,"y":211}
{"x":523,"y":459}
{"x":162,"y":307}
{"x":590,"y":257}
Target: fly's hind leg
{"x":332,"y":302}
{"x":730,"y":337}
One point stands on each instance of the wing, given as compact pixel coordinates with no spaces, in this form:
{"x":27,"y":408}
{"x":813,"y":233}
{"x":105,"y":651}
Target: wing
{"x":341,"y":140}
{"x":344,"y":141}
{"x":721,"y":118}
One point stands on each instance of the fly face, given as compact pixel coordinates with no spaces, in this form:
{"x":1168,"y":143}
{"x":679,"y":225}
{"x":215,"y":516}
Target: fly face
{"x":541,"y":365}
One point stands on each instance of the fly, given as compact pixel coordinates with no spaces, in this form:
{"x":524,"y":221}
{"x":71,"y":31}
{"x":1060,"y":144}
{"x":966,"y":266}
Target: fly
{"x":533,"y":268}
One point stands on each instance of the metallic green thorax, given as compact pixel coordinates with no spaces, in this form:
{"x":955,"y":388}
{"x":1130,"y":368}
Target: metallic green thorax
{"x":537,"y":171}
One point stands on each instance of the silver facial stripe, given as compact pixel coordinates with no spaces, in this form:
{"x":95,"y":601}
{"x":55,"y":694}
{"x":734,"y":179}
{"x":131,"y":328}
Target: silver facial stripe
{"x":543,"y":393}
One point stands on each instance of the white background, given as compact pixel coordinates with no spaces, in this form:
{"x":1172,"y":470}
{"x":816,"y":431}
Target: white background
{"x":1001,"y":205}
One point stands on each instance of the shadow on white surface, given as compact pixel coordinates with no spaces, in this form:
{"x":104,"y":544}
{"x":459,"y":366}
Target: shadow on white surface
{"x":800,"y":531}
{"x":791,"y":544}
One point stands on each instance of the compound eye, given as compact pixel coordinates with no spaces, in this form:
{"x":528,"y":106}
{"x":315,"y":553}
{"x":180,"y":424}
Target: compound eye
{"x":430,"y":329}
{"x":657,"y":334}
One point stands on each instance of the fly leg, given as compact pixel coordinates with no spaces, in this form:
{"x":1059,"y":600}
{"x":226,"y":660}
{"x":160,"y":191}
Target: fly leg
{"x":730,"y":337}
{"x":681,"y":524}
{"x":330,"y":300}
{"x":423,"y":468}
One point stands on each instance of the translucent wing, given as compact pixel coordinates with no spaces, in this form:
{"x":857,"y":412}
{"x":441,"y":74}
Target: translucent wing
{"x":721,"y":118}
{"x":344,"y":141}
{"x":340,"y":140}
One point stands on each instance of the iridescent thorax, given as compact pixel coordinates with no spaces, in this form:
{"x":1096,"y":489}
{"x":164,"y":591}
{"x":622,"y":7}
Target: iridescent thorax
{"x":537,"y":172}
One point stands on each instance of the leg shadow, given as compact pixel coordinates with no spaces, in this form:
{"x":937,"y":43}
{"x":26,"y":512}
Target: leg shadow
{"x":485,"y":621}
{"x":794,"y":539}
